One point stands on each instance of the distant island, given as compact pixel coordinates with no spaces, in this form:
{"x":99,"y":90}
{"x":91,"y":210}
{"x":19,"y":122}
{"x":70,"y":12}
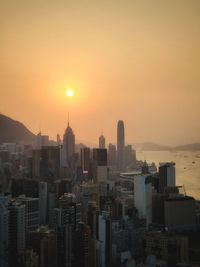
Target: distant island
{"x":150,"y":146}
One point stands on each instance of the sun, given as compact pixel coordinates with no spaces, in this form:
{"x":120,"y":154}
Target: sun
{"x":69,"y":93}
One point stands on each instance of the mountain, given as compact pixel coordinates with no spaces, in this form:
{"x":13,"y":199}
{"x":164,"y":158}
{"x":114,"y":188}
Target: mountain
{"x":12,"y":131}
{"x":195,"y":146}
{"x":149,"y":146}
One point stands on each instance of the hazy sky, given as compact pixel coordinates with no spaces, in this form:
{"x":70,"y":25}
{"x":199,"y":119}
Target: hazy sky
{"x":126,"y":59}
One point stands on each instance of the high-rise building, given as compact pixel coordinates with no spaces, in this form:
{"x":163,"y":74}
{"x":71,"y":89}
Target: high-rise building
{"x":17,"y":231}
{"x":68,"y":145}
{"x":36,"y":158}
{"x":50,"y":163}
{"x":85,"y":159}
{"x":64,"y":245}
{"x":23,"y":186}
{"x":105,"y":239}
{"x":66,"y":219}
{"x":169,"y":247}
{"x":41,"y":140}
{"x":179,"y":210}
{"x":48,"y":255}
{"x":92,"y":222}
{"x":100,"y":168}
{"x":51,"y":204}
{"x":100,"y":156}
{"x":120,"y":144}
{"x":4,"y":232}
{"x":158,"y":210}
{"x":129,"y":156}
{"x":167,"y":176}
{"x":32,"y":211}
{"x":62,"y":186}
{"x":43,"y":242}
{"x":102,"y":141}
{"x":112,"y":155}
{"x":81,"y":245}
{"x":43,"y":190}
{"x":68,"y":212}
{"x":92,"y":218}
{"x":89,"y":192}
{"x":143,"y":197}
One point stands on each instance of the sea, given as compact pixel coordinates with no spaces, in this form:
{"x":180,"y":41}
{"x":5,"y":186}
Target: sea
{"x":187,"y":167}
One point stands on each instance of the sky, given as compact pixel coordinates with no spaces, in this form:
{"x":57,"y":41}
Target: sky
{"x":134,"y":60}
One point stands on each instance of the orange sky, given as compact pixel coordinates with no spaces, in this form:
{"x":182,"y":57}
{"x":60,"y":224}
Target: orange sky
{"x":134,"y":60}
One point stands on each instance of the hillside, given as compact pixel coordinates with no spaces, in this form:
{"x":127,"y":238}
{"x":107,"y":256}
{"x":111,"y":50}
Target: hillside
{"x":12,"y":131}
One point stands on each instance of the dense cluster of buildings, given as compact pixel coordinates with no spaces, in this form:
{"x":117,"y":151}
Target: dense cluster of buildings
{"x":67,"y":205}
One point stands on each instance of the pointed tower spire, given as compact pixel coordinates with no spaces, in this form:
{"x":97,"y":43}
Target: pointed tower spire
{"x":68,"y":120}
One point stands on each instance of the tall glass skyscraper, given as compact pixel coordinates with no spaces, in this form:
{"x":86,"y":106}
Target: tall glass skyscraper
{"x":120,"y":144}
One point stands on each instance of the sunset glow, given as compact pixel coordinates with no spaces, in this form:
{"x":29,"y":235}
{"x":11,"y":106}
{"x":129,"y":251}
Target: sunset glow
{"x":135,"y":60}
{"x":69,"y":93}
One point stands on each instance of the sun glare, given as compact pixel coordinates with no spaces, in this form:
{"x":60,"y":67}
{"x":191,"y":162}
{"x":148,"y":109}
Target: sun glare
{"x":69,"y":93}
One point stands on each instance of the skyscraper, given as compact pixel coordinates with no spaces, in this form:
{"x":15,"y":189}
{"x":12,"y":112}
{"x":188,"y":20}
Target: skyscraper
{"x":36,"y":158}
{"x":68,"y":145}
{"x":143,"y":196}
{"x":17,"y":231}
{"x":120,"y":144}
{"x":105,"y":237}
{"x":129,"y":156}
{"x":100,"y":156}
{"x":41,"y":140}
{"x":112,"y":155}
{"x":43,"y":193}
{"x":81,"y":245}
{"x":167,"y":176}
{"x":102,"y":141}
{"x":4,"y":231}
{"x":85,"y":159}
{"x":100,"y":165}
{"x":32,"y":211}
{"x":50,"y":162}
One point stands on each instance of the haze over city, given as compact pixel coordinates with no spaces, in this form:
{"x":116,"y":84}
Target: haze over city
{"x":99,"y":133}
{"x":131,"y":60}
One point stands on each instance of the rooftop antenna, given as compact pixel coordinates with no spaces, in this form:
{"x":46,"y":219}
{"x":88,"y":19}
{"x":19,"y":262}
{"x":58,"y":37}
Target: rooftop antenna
{"x":40,"y":132}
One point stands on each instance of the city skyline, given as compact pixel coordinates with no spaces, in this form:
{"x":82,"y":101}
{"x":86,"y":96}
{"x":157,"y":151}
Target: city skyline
{"x":100,"y":133}
{"x":136,"y":61}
